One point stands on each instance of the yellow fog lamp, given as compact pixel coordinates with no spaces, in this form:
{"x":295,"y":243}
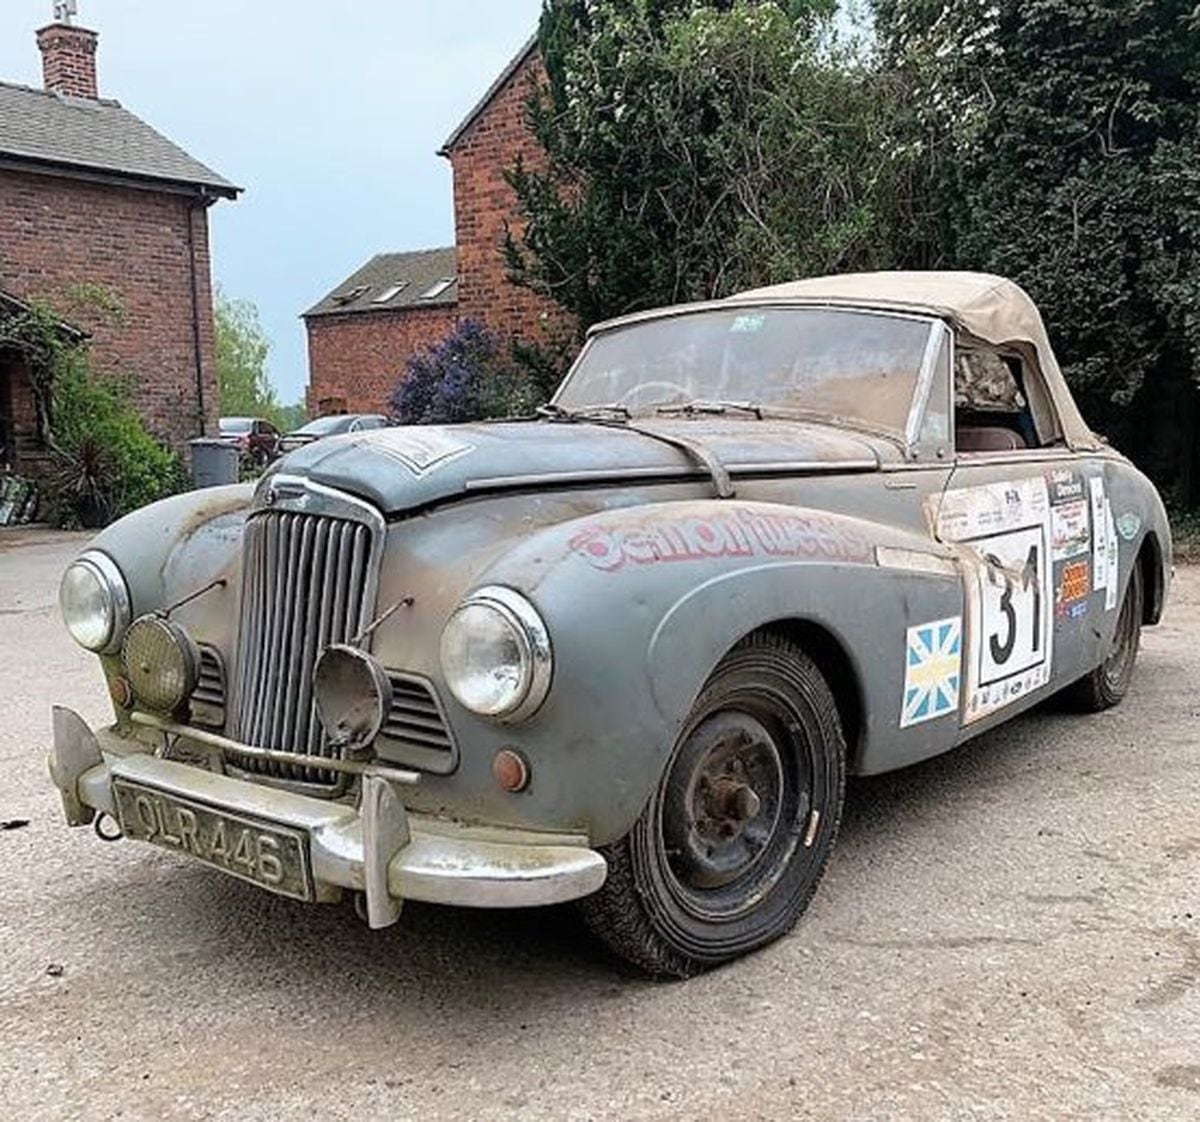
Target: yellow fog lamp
{"x":353,"y":695}
{"x":161,"y":662}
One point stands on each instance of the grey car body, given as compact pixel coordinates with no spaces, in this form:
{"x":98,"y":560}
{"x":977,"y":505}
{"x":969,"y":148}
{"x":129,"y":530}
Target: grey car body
{"x":333,"y":425}
{"x":940,"y":575}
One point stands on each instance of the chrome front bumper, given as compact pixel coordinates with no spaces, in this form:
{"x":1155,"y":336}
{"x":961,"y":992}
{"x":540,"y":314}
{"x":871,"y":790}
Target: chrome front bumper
{"x":376,"y":848}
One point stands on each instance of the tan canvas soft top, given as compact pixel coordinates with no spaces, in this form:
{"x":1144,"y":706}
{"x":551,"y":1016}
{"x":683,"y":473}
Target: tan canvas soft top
{"x":986,"y":307}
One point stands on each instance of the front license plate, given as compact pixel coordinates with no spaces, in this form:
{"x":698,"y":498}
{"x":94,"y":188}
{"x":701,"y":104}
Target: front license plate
{"x":271,"y":856}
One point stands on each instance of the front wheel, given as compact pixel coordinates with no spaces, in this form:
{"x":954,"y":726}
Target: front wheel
{"x":731,"y":847}
{"x":1108,"y":684}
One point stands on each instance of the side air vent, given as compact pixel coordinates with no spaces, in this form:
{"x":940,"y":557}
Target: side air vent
{"x":415,"y":731}
{"x":208,"y":698}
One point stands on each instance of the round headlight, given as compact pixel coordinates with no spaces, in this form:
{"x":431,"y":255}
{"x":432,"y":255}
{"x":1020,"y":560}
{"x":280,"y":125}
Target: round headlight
{"x":94,"y":602}
{"x":161,"y":662}
{"x":496,"y":655}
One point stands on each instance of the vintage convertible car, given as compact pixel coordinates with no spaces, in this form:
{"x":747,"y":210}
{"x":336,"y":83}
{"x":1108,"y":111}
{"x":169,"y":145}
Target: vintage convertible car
{"x":626,"y":653}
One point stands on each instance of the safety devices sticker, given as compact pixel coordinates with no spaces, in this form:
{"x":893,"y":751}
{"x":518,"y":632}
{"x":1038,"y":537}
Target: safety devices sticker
{"x":933,"y":671}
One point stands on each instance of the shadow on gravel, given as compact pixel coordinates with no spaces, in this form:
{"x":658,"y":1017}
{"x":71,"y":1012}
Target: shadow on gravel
{"x":988,"y":761}
{"x":502,"y":971}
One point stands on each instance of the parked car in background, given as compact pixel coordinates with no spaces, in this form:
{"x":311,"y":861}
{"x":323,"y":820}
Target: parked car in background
{"x":627,"y":653}
{"x":257,"y":440}
{"x":333,"y":425}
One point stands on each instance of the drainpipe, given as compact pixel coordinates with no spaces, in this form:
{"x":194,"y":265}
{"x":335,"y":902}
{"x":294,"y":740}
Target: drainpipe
{"x":197,"y":347}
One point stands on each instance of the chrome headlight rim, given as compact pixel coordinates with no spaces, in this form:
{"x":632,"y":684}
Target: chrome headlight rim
{"x":120,"y":608}
{"x":533,"y":641}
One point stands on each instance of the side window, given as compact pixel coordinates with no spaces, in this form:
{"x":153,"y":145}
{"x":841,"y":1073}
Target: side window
{"x":991,"y":406}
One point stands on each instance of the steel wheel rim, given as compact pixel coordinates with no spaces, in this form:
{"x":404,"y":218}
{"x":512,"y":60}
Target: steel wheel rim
{"x":732,"y":813}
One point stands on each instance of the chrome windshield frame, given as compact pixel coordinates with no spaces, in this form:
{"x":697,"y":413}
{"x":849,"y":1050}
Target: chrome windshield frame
{"x":939,"y":333}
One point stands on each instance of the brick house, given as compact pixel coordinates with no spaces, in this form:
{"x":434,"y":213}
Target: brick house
{"x":358,"y":342}
{"x":361,"y":334}
{"x":92,"y":196}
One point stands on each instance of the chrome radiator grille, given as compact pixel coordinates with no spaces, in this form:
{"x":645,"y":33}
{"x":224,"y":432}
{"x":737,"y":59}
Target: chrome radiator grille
{"x":305,"y":583}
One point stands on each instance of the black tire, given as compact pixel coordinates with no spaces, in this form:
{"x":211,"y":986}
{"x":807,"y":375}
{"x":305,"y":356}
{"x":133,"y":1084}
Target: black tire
{"x":732,"y":845}
{"x":1108,"y":684}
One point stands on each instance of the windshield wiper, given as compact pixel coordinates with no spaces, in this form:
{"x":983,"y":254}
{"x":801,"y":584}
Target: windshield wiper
{"x":552,"y":412}
{"x":701,"y":407}
{"x":618,"y":417}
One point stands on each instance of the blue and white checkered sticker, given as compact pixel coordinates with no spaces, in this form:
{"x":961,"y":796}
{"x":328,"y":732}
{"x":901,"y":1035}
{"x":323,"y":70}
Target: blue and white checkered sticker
{"x":933,"y":671}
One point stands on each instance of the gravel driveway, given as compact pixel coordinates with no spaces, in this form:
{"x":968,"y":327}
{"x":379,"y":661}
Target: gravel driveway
{"x":1009,"y":932}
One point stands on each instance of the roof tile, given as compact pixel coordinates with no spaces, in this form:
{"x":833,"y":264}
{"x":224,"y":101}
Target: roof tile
{"x":98,"y":136}
{"x":418,"y":271}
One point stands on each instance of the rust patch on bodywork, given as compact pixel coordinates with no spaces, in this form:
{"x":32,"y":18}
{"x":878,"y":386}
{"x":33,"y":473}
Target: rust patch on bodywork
{"x":224,"y":501}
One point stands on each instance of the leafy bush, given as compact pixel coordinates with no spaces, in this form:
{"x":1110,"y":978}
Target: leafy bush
{"x":695,"y":148}
{"x":462,"y":378}
{"x":1066,"y":139}
{"x":107,"y":463}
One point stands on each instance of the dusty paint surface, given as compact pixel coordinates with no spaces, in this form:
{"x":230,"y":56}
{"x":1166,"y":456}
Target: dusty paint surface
{"x":1009,"y":932}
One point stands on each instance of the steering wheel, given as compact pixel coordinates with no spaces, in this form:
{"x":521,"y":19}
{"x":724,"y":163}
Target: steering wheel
{"x":681,"y":391}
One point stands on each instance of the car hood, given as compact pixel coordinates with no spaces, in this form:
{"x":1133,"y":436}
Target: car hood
{"x":412,"y":467}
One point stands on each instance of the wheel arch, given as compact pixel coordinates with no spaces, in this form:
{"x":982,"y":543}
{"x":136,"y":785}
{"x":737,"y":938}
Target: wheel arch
{"x":1150,"y":562}
{"x":832,"y":658}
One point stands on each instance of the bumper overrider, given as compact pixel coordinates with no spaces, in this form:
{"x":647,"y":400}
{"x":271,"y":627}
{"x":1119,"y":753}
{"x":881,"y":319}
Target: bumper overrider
{"x":311,"y":848}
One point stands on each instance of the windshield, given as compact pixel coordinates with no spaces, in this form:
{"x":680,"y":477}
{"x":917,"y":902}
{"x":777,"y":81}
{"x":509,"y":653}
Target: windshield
{"x":854,"y":365}
{"x":323,"y":426}
{"x":233,"y":426}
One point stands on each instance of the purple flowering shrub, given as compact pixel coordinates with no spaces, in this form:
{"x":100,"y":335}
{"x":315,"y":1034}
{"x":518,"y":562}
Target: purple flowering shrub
{"x":462,"y":378}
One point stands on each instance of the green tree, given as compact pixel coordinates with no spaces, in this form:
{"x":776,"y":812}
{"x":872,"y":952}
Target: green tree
{"x":242,"y":348}
{"x":1067,"y":138}
{"x":694,"y":149}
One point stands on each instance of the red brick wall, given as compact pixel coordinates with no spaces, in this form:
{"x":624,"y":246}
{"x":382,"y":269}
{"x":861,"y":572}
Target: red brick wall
{"x":56,"y":233}
{"x":359,"y":357}
{"x":69,"y":60}
{"x":482,"y":203}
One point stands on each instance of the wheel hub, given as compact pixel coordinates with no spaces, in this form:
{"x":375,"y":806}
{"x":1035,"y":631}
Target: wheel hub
{"x":726,"y":804}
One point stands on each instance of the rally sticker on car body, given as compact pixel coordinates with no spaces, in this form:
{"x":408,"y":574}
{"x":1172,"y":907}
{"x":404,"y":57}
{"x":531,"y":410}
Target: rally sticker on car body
{"x":932,"y":671}
{"x":1105,"y":544}
{"x":1070,"y":521}
{"x":1010,"y":598}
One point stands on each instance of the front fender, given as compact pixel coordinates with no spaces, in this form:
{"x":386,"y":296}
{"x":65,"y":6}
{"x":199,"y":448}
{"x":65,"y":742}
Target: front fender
{"x":643,"y":602}
{"x":173,"y":548}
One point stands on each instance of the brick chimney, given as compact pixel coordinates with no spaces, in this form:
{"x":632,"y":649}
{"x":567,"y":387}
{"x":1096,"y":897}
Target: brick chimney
{"x":69,"y":60}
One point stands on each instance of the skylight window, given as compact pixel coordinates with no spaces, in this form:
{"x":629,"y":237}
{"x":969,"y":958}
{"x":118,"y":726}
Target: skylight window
{"x":436,"y":290}
{"x":390,"y":293}
{"x":350,"y":295}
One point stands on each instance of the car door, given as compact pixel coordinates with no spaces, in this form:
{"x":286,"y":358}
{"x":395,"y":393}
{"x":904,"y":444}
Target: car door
{"x":1019,"y":505}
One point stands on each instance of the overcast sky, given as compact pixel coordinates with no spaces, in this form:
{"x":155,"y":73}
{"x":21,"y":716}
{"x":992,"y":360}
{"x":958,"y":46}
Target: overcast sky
{"x":328,"y":114}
